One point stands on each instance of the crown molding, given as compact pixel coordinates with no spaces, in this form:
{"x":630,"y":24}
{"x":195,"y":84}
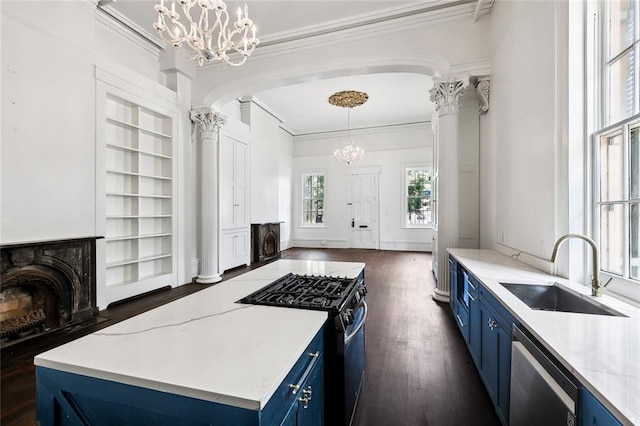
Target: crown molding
{"x":385,"y":21}
{"x":124,"y":26}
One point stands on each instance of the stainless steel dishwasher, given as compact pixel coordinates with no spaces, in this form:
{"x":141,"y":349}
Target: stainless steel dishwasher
{"x":541,"y":393}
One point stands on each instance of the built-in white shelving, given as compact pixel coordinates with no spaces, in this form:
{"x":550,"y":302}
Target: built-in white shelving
{"x":139,"y":206}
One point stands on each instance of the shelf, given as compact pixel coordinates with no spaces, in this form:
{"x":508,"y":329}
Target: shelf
{"x":122,"y":194}
{"x":166,"y":234}
{"x":136,"y":127}
{"x":121,"y":263}
{"x":114,"y":239}
{"x":118,"y":172}
{"x":154,"y":257}
{"x":136,"y":150}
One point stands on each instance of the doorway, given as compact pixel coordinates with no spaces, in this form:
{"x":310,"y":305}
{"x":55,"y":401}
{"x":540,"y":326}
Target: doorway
{"x":363,"y":210}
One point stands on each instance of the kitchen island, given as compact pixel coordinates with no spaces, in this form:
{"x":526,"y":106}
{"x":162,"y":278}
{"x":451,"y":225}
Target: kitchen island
{"x":602,"y":352}
{"x":203,"y":352}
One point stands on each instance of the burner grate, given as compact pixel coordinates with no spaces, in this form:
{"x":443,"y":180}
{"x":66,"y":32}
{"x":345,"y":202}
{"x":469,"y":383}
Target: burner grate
{"x":304,"y":291}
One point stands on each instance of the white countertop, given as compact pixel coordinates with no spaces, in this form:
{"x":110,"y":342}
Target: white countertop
{"x":603,"y":352}
{"x":205,"y":345}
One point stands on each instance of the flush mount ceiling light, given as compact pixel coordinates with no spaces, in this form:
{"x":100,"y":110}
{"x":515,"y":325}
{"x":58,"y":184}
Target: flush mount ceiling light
{"x":348,"y":99}
{"x":231,"y":46}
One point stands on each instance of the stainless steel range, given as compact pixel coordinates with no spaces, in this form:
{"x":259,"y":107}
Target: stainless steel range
{"x":344,"y":300}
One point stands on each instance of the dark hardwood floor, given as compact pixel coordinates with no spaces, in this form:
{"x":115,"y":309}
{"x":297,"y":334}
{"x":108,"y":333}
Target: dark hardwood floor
{"x":418,"y":369}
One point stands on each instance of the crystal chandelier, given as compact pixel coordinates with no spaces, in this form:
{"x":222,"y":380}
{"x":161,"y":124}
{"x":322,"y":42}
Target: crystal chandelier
{"x":348,"y":99}
{"x":231,"y":46}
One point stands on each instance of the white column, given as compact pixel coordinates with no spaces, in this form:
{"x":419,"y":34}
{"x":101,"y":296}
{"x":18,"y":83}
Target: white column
{"x":447,"y":94}
{"x":208,"y":124}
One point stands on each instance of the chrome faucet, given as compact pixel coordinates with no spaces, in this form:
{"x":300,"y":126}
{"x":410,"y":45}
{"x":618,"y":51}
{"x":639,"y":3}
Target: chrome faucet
{"x":597,"y":289}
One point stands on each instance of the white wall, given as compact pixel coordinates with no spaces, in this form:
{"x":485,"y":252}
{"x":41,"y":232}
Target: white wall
{"x":518,"y":149}
{"x":387,"y":149}
{"x":48,"y":115}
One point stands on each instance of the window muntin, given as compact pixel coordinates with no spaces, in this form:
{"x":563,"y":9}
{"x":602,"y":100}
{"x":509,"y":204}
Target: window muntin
{"x":313,"y":199}
{"x":418,"y":192}
{"x":620,"y":60}
{"x":617,"y":196}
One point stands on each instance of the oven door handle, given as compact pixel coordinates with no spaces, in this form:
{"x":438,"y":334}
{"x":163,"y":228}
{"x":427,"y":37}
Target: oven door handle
{"x":350,"y":337}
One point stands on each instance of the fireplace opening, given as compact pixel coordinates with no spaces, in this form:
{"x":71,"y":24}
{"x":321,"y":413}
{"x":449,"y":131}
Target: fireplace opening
{"x":45,"y":287}
{"x":269,"y":247}
{"x":265,"y":242}
{"x":33,"y":299}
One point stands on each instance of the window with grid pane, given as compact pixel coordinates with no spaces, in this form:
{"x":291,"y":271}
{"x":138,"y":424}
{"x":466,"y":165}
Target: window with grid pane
{"x":616,"y":146}
{"x":313,"y":199}
{"x":418,"y":196}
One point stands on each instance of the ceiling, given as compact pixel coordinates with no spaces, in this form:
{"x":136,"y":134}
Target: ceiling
{"x":394,"y":98}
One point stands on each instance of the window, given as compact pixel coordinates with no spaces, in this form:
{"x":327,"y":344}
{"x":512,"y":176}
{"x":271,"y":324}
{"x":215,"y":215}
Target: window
{"x":417,"y":196}
{"x":313,"y":199}
{"x":616,"y":153}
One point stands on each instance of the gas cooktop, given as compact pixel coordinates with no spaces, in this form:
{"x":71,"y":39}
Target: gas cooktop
{"x":304,"y":291}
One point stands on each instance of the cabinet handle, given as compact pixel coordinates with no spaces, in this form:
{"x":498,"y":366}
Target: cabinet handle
{"x":314,"y":358}
{"x":305,"y":402}
{"x":492,"y":324}
{"x":308,"y":392}
{"x":462,"y":324}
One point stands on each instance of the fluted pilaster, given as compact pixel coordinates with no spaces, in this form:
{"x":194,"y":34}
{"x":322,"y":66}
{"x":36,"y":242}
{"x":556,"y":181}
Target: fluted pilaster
{"x":206,"y":126}
{"x":447,"y":94}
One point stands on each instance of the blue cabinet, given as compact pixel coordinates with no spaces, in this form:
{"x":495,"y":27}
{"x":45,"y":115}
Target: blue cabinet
{"x":592,"y":413}
{"x":72,"y":399}
{"x":486,"y":328}
{"x":495,"y":358}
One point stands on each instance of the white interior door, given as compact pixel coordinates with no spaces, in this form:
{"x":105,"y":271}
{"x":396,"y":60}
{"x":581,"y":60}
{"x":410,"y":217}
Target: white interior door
{"x":364,"y":211}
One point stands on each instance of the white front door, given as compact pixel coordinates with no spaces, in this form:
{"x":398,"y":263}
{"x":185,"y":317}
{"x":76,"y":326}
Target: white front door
{"x":363,"y":217}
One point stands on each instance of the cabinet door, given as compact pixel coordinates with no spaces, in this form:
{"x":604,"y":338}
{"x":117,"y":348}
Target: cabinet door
{"x":453,"y":283}
{"x":308,"y":407}
{"x":310,"y":402}
{"x":489,"y":352}
{"x":474,"y":327}
{"x":227,"y":188}
{"x":240,"y":164}
{"x":495,"y":359}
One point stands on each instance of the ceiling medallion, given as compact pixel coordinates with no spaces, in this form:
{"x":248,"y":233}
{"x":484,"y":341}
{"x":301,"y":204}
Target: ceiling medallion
{"x":348,"y":99}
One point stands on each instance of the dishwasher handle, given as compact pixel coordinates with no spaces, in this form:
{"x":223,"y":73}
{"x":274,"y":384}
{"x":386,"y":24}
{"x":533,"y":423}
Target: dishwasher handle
{"x":549,"y":366}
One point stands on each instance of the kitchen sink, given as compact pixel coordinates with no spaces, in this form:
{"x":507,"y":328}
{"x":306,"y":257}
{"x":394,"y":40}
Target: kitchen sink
{"x":553,"y":297}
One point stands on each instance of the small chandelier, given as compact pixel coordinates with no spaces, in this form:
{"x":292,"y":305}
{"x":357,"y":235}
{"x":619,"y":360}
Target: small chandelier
{"x":231,"y":46}
{"x":348,"y":99}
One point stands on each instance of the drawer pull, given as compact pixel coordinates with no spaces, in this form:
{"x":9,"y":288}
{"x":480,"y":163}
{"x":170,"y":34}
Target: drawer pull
{"x":462,"y":324}
{"x":314,"y":358}
{"x":306,"y":397}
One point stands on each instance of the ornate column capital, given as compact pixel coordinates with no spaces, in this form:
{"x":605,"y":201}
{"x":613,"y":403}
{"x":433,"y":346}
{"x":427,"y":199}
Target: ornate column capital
{"x":207,"y":120}
{"x":447,"y":93}
{"x":482,"y":92}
